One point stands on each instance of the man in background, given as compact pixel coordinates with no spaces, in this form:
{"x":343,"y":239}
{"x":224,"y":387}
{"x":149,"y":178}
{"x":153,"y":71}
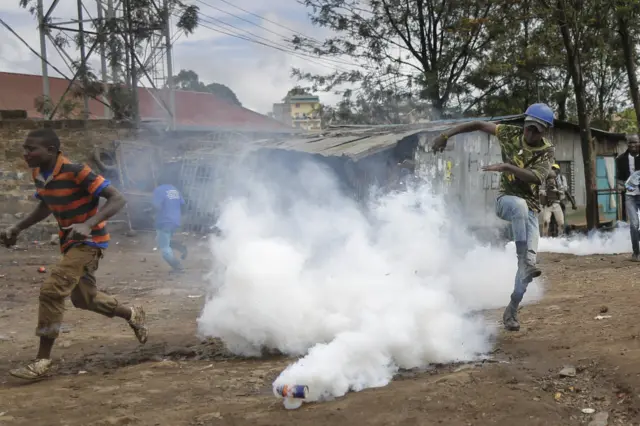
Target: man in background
{"x":563,"y":193}
{"x":627,"y":163}
{"x":168,"y":204}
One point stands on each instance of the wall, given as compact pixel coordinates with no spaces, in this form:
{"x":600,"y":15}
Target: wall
{"x":78,"y":143}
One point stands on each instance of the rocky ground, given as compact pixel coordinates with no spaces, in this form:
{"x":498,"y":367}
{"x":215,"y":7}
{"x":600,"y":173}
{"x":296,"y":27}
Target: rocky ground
{"x":576,"y":360}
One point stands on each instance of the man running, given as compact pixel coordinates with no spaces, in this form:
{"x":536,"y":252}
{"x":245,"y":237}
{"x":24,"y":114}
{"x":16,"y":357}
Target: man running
{"x":527,"y":157}
{"x":70,"y":192}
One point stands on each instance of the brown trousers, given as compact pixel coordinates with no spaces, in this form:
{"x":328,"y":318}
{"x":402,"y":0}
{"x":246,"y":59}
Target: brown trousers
{"x":73,"y":276}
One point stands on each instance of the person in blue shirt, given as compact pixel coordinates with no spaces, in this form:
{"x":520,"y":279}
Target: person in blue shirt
{"x":168,"y":204}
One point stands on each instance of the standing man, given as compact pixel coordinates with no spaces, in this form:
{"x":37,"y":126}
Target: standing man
{"x":550,"y":201}
{"x":527,"y":157}
{"x":627,"y":164}
{"x":70,"y":192}
{"x":565,"y":192}
{"x":552,"y":196}
{"x":168,"y":204}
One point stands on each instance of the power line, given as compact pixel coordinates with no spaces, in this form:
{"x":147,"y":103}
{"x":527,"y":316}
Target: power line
{"x":302,"y":35}
{"x":306,"y":57}
{"x":272,"y":22}
{"x":301,"y":51}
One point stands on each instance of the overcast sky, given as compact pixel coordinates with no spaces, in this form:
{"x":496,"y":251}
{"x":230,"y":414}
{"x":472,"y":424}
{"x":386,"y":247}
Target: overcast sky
{"x":259,"y":75}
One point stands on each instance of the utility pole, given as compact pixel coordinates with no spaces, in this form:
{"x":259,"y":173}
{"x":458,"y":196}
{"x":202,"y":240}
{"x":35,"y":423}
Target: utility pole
{"x":130,"y":47}
{"x":169,"y":51}
{"x":43,"y":53}
{"x":83,"y":62}
{"x":103,"y":59}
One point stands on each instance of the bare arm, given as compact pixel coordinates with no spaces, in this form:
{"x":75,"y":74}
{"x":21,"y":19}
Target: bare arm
{"x":115,"y":202}
{"x":524,"y":175}
{"x":440,"y":142}
{"x":474,"y":126}
{"x":40,"y":213}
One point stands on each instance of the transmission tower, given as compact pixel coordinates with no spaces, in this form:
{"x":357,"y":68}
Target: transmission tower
{"x":148,"y":62}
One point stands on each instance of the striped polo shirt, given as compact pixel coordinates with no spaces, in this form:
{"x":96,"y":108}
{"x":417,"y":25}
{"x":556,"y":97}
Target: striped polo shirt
{"x":72,"y":193}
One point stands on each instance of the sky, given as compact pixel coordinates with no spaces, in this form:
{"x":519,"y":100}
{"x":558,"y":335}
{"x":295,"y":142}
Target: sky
{"x":259,"y":75}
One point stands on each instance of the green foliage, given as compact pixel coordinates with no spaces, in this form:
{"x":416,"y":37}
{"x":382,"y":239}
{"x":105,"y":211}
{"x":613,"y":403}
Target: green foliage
{"x":189,"y":80}
{"x":147,"y":19}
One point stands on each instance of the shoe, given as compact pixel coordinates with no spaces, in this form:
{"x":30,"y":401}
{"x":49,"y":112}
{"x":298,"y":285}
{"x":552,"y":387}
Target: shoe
{"x":138,"y":323}
{"x":635,"y":257}
{"x":38,"y":369}
{"x":510,"y":318}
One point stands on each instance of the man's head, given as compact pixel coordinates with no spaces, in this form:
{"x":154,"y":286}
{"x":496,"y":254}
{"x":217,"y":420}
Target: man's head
{"x":633,"y":144}
{"x":538,"y":119}
{"x":41,"y":148}
{"x":555,"y":168}
{"x":552,"y":174}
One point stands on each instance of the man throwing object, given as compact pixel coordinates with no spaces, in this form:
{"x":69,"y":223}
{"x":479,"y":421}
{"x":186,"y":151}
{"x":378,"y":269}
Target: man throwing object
{"x":527,"y":158}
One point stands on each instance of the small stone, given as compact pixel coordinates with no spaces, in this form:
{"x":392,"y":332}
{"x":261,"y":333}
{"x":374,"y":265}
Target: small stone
{"x":165,"y":364}
{"x":19,"y":215}
{"x":204,"y":418}
{"x":568,"y":371}
{"x":600,"y":419}
{"x":604,"y":309}
{"x":54,"y":240}
{"x":557,"y":396}
{"x":588,"y":411}
{"x":118,"y":421}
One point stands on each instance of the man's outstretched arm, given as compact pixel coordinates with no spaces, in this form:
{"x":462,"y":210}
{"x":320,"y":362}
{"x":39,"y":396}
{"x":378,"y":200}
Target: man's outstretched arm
{"x":440,"y":142}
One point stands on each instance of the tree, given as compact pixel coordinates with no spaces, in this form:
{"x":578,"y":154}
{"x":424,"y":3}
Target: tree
{"x":578,"y":30}
{"x":434,"y":44}
{"x":628,"y":13}
{"x":525,"y":65}
{"x":189,"y":80}
{"x":123,"y":39}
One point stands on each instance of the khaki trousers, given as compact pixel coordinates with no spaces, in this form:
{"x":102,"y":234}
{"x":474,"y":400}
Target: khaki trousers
{"x":72,"y":277}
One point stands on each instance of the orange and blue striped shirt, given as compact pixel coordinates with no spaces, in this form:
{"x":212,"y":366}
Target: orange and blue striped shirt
{"x":72,"y":193}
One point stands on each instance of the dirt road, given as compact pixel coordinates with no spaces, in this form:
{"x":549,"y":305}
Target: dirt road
{"x":105,"y":378}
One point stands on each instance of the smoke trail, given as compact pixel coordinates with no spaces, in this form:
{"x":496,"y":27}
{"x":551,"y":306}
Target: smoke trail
{"x":358,"y":294}
{"x":614,"y":242}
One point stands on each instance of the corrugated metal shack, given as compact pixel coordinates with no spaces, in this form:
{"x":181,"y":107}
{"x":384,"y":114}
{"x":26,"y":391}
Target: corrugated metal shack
{"x":205,"y":164}
{"x":209,"y":168}
{"x":458,"y":169}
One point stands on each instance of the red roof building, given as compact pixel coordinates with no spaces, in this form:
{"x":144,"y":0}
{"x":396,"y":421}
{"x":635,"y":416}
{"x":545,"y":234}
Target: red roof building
{"x":193,"y":109}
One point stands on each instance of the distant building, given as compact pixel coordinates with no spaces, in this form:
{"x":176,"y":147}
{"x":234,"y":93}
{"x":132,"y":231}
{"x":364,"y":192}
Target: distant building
{"x":194,"y":110}
{"x":282,"y":113}
{"x":299,"y":111}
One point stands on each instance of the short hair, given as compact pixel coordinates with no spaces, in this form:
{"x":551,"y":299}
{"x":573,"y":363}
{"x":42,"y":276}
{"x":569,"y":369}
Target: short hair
{"x":47,"y":135}
{"x":632,"y":138}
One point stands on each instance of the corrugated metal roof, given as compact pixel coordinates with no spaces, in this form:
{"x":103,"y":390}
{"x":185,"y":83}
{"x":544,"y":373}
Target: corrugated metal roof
{"x":354,"y":143}
{"x":194,"y":110}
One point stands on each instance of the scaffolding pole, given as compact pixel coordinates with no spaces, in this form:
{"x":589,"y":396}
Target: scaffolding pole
{"x":43,"y":53}
{"x":103,"y":60}
{"x":169,"y":53}
{"x":83,"y":62}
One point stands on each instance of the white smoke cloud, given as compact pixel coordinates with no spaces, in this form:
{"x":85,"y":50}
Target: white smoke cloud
{"x":597,"y":242}
{"x":357,"y":294}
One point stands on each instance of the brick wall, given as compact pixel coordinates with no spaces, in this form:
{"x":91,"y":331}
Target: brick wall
{"x":78,"y":143}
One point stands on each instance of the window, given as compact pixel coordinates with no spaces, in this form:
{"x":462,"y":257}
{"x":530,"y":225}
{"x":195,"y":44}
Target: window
{"x":566,"y":168}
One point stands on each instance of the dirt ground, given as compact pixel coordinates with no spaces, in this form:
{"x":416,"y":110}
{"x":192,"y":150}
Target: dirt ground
{"x":105,"y":378}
